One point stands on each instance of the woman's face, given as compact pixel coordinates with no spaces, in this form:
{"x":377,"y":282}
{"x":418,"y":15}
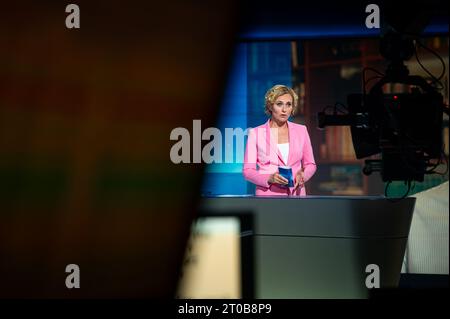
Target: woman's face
{"x":282,"y":108}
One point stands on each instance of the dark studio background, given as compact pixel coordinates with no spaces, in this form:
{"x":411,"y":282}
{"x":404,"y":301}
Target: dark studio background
{"x":320,"y":50}
{"x":85,"y":119}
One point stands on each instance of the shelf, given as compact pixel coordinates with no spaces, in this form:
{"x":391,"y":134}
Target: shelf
{"x":339,"y":62}
{"x":340,"y":162}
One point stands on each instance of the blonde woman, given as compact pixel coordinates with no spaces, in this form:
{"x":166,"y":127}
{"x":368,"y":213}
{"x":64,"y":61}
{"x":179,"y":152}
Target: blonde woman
{"x":279,"y":144}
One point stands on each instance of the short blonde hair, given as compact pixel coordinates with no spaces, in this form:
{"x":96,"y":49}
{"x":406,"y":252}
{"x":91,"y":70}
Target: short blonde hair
{"x":274,"y":93}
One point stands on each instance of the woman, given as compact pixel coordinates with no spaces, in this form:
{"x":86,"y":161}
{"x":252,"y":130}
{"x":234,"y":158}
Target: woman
{"x":278,"y":143}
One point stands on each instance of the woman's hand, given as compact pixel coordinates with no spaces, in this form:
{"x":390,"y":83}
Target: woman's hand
{"x":276,"y":178}
{"x":299,"y":181}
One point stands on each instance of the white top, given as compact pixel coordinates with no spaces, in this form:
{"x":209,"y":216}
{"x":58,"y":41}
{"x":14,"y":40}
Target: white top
{"x":284,"y":150}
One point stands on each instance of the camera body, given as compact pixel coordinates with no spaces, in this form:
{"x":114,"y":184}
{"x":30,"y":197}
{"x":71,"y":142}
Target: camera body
{"x":406,"y":128}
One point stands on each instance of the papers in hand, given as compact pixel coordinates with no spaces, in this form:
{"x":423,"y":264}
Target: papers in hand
{"x":286,"y":172}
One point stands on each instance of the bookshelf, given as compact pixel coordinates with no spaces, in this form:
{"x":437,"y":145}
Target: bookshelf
{"x":324,"y":72}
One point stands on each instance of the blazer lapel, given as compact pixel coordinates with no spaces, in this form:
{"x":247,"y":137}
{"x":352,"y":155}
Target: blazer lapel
{"x":292,"y":143}
{"x":273,"y":142}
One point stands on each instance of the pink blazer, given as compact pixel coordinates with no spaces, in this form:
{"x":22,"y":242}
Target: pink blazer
{"x":262,"y":158}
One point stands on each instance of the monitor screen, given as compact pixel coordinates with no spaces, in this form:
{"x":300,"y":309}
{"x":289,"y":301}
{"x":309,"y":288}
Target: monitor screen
{"x":212,"y":264}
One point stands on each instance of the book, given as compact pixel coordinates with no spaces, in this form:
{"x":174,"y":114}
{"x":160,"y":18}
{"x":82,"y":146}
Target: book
{"x":286,"y":172}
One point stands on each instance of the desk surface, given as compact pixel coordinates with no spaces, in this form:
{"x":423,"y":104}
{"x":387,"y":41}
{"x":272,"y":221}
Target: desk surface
{"x":341,"y":216}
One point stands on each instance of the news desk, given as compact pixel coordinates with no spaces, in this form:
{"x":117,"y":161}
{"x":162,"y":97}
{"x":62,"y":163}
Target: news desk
{"x":319,"y":247}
